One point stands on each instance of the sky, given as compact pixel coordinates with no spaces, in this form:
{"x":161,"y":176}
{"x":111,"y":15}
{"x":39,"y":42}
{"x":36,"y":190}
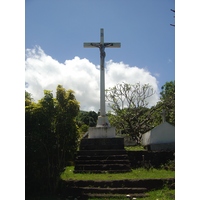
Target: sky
{"x":54,"y":54}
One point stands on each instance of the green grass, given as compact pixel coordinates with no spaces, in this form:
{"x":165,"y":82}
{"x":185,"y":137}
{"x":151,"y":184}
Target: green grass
{"x":135,"y":148}
{"x":140,"y":173}
{"x":163,"y":194}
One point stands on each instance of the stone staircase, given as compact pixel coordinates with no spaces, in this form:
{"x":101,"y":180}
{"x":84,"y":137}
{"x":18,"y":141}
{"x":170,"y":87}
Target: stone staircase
{"x":86,"y":193}
{"x":117,"y":188}
{"x":102,"y":161}
{"x":105,"y":189}
{"x":105,"y":155}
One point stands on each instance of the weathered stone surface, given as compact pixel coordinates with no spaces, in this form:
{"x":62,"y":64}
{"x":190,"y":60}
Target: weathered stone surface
{"x":102,"y":143}
{"x":101,"y":132}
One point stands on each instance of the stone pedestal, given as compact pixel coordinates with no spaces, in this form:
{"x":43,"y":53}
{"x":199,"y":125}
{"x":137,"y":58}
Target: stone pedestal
{"x":101,"y":132}
{"x":102,"y":144}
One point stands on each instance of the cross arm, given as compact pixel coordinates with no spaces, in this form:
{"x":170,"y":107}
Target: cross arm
{"x":112,"y":45}
{"x":91,"y":44}
{"x":97,"y":44}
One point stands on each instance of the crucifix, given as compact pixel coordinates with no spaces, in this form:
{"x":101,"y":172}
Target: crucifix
{"x":102,"y":120}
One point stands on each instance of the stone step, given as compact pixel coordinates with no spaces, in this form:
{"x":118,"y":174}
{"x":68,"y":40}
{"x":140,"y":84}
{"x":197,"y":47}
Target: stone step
{"x":105,"y":192}
{"x":103,"y":167}
{"x":122,"y":190}
{"x":82,"y":189}
{"x":91,"y":162}
{"x":102,"y":152}
{"x":102,"y":144}
{"x":118,"y":196}
{"x":129,"y":183}
{"x":97,"y":155}
{"x":102,"y":157}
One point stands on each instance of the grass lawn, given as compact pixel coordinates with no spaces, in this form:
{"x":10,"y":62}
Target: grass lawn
{"x":135,"y":148}
{"x":140,"y":173}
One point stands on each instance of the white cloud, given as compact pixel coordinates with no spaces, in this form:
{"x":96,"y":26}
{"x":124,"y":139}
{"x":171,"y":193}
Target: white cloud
{"x":80,"y":75}
{"x":157,"y":74}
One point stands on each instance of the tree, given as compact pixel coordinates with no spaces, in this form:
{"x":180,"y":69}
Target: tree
{"x":168,"y":100}
{"x":88,"y":118}
{"x":93,"y":116}
{"x":51,"y":139}
{"x":166,"y":104}
{"x":130,"y":110}
{"x":39,"y":137}
{"x":82,"y":130}
{"x":67,"y":108}
{"x":28,"y":98}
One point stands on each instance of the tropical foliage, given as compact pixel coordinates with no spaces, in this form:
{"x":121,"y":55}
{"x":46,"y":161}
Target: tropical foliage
{"x":51,"y":137}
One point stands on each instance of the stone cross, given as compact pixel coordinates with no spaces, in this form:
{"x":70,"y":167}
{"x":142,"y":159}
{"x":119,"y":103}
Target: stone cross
{"x":102,"y":120}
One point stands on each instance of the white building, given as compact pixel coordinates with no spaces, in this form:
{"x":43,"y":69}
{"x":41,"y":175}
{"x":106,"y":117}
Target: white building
{"x":160,"y":138}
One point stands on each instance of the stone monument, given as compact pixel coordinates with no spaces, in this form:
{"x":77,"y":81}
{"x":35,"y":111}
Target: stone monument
{"x":102,"y":151}
{"x":103,"y":128}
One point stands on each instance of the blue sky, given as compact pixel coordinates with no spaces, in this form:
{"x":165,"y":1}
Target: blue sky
{"x":59,"y":29}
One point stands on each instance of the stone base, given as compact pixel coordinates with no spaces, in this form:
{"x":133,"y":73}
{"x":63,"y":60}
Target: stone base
{"x":102,"y":144}
{"x":102,"y":155}
{"x":101,"y":132}
{"x":103,"y":121}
